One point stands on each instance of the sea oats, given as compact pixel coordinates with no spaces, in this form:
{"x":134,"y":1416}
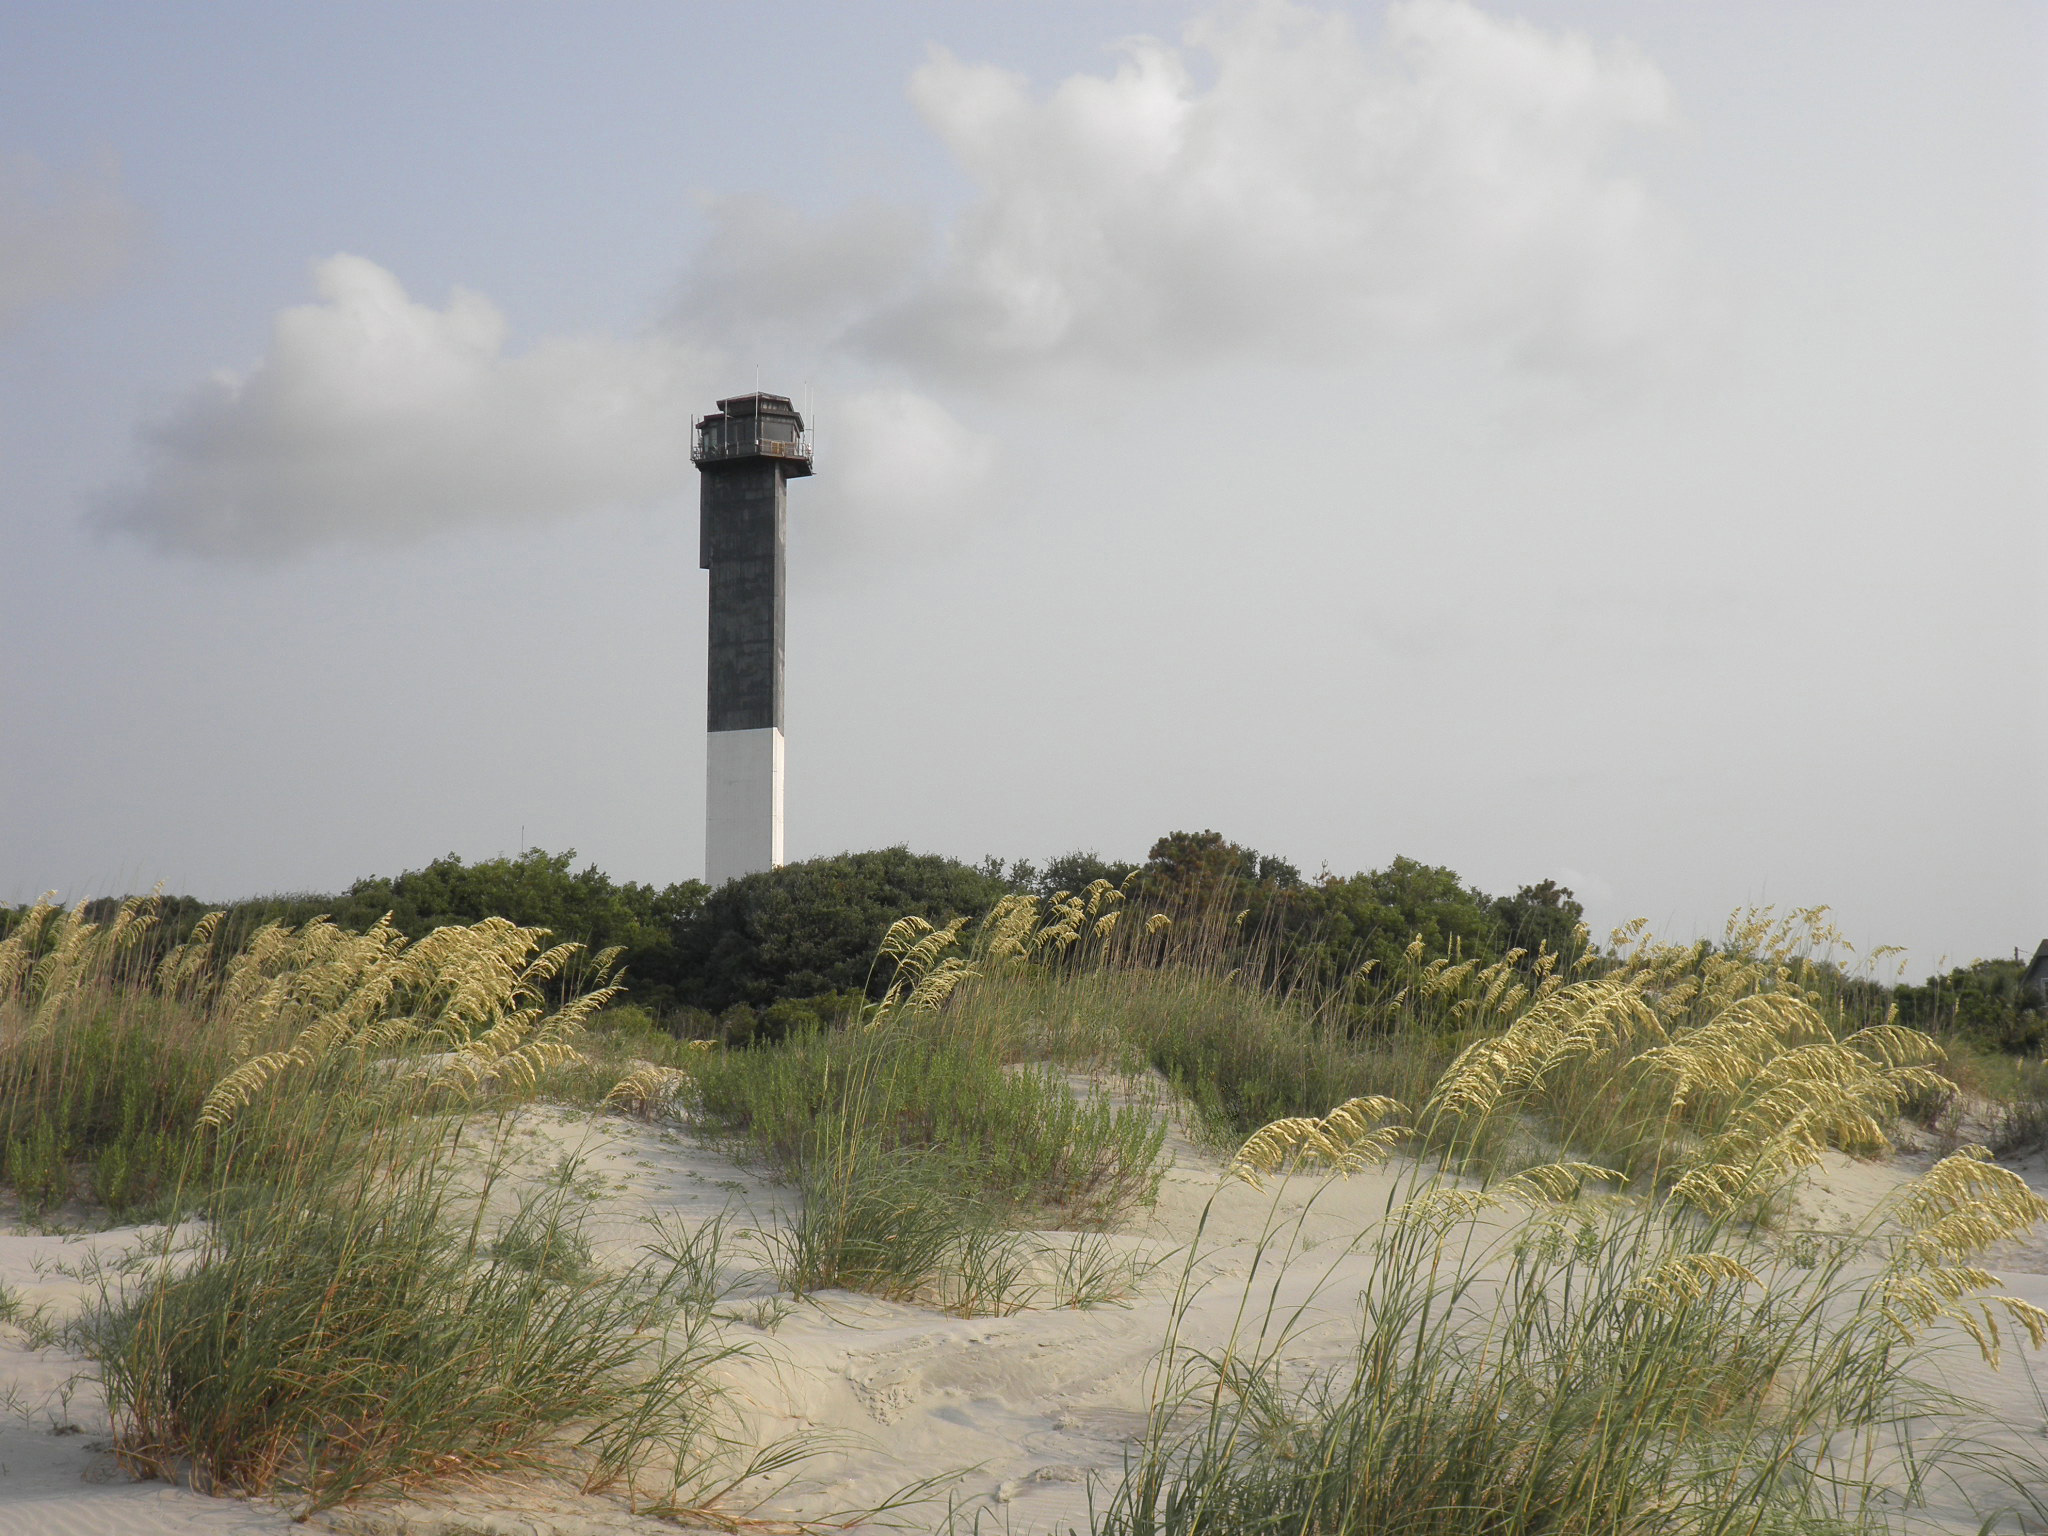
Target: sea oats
{"x":1352,"y":1136}
{"x":1684,"y":1278}
{"x":474,"y":992}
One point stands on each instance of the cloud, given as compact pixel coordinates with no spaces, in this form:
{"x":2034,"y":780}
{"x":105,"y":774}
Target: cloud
{"x":1274,"y":191}
{"x":373,"y":417}
{"x":769,"y":273}
{"x":897,"y":459}
{"x":1277,"y":190}
{"x":60,"y":238}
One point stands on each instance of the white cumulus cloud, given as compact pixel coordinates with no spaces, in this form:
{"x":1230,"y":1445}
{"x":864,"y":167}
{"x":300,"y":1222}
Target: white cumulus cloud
{"x":1314,"y":197}
{"x":60,"y":237}
{"x":373,"y":416}
{"x":1276,"y":189}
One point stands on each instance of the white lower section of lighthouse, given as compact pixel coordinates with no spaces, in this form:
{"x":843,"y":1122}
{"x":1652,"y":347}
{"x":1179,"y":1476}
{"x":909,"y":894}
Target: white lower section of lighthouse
{"x":742,"y":803}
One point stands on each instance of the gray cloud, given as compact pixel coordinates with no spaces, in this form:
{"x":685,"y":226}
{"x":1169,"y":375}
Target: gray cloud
{"x":899,"y":463}
{"x":767,"y":264}
{"x":60,"y":237}
{"x":373,"y":417}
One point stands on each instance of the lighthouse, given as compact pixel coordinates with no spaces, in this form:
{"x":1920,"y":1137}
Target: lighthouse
{"x":746,"y":452}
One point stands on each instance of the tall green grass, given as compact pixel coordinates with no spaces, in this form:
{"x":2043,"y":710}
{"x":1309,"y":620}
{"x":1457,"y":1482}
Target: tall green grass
{"x":1021,"y":1141}
{"x":99,"y":1100}
{"x":361,"y":1318}
{"x":1237,"y":1056}
{"x":915,"y":1147}
{"x":106,"y":1057}
{"x":372,"y":1297}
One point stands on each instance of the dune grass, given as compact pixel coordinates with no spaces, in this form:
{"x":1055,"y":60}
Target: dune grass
{"x":1018,"y":1141}
{"x":378,"y":1292}
{"x":915,"y":1149}
{"x":1235,"y":1056}
{"x":105,"y":1062}
{"x":1531,"y":1360}
{"x":1576,"y":1321}
{"x":99,"y":1098}
{"x":1525,"y":1366}
{"x":358,"y":1321}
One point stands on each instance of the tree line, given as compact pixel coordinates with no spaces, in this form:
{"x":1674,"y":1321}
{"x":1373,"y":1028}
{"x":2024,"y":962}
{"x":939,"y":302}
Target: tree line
{"x":773,"y":950}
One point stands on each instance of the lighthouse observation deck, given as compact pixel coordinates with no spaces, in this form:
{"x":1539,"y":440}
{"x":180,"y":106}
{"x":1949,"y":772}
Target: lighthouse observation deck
{"x":753,"y":427}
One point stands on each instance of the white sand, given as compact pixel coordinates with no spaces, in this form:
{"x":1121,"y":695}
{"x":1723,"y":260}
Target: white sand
{"x":1026,"y":1410}
{"x":57,"y":1473}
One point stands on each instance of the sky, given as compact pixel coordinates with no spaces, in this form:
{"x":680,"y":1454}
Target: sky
{"x":1562,"y":439}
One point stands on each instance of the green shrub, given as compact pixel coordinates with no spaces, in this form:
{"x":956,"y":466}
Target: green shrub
{"x":539,"y":890}
{"x":1981,"y":1003}
{"x":744,"y":1025}
{"x":812,"y":927}
{"x":535,"y":889}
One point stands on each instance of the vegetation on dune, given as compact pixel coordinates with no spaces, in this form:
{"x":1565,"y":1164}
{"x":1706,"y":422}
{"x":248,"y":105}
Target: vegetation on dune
{"x":535,"y":889}
{"x":1582,"y":1316}
{"x":719,"y":963}
{"x":1528,"y":1362}
{"x":358,"y":1310}
{"x":1982,"y":1003}
{"x":1532,"y":1362}
{"x":917,"y":1141}
{"x":1318,"y":932}
{"x":1015,"y":1142}
{"x":812,"y":927}
{"x":790,"y":949}
{"x":106,"y":1058}
{"x":349,"y":1323}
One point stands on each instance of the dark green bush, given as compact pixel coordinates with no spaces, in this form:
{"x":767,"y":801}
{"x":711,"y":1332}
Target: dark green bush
{"x":807,"y":932}
{"x":1983,"y":1002}
{"x":812,"y":928}
{"x":537,"y":889}
{"x":744,"y":1025}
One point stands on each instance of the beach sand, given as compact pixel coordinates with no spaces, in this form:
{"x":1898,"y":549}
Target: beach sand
{"x":1019,"y":1418}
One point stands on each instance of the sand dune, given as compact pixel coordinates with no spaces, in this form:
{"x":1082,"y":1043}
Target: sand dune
{"x":1023,"y":1412}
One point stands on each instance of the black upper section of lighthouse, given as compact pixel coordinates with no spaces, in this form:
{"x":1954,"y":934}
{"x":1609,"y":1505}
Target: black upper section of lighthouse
{"x":747,"y":451}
